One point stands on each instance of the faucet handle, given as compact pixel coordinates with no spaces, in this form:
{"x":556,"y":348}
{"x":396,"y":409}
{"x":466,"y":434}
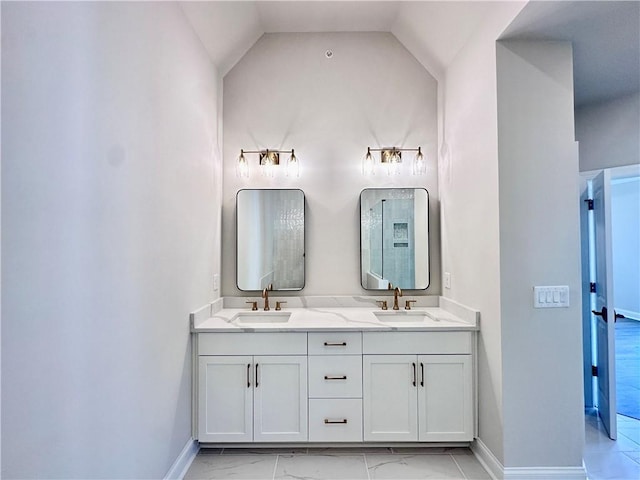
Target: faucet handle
{"x":383,"y":304}
{"x":407,"y":304}
{"x":279,"y":305}
{"x":254,"y":305}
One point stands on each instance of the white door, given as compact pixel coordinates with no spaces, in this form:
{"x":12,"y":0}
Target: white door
{"x":445,"y":398}
{"x":605,"y":330}
{"x":225,"y":399}
{"x":390,"y":397}
{"x":280,"y":399}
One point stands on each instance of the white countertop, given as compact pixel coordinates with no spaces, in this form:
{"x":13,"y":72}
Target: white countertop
{"x":308,"y":319}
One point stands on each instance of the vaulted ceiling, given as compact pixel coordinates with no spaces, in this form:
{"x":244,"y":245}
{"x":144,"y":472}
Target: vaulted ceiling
{"x":605,"y":34}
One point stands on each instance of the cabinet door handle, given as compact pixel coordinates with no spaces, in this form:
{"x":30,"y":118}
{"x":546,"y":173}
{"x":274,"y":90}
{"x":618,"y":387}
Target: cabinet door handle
{"x":327,"y":421}
{"x":248,"y":375}
{"x":329,"y":344}
{"x":335,"y":377}
{"x":414,"y":374}
{"x":256,"y":375}
{"x":422,"y":373}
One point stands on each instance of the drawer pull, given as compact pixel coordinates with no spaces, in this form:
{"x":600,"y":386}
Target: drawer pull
{"x":256,"y":381}
{"x":335,"y":377}
{"x":329,"y":422}
{"x":422,"y":371}
{"x":248,"y":375}
{"x":329,"y":344}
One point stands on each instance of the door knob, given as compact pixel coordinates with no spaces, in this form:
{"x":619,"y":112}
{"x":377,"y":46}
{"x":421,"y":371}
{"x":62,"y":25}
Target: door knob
{"x":602,"y":313}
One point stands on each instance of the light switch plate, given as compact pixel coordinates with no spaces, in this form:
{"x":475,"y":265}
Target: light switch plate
{"x":447,"y":280}
{"x":216,"y":282}
{"x":556,"y":296}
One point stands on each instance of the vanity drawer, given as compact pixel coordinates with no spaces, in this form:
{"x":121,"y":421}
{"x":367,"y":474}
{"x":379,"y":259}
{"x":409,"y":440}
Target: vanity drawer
{"x":335,"y":420}
{"x":402,"y":343}
{"x":335,"y":376}
{"x":335,"y":343}
{"x":293,"y":343}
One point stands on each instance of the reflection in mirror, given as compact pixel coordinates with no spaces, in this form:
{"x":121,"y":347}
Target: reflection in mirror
{"x":270,"y":239}
{"x":394,"y":238}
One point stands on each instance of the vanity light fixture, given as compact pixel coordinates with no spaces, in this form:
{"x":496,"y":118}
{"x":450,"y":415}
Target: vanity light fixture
{"x":268,"y":160}
{"x":391,"y":159}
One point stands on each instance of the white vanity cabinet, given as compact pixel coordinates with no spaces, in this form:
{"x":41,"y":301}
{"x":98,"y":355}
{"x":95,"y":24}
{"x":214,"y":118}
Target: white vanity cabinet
{"x":252,"y":398}
{"x":418,"y":386}
{"x":335,"y":386}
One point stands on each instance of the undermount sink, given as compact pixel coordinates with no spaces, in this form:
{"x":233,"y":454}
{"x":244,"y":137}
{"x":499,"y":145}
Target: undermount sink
{"x":400,"y":316}
{"x":397,"y":316}
{"x":262,"y":317}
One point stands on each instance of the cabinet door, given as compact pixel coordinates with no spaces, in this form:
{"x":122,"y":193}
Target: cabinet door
{"x":280,"y":399}
{"x":225,"y":399}
{"x":390,"y":398}
{"x":445,"y":398}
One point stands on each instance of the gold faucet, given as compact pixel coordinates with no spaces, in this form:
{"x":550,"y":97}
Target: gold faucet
{"x":265,"y":295}
{"x":396,"y":293}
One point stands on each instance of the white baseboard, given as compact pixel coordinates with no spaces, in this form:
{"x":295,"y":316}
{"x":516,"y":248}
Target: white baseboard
{"x":487,"y":459}
{"x":179,"y":468}
{"x":631,"y":315}
{"x":497,"y":471}
{"x":545,"y":473}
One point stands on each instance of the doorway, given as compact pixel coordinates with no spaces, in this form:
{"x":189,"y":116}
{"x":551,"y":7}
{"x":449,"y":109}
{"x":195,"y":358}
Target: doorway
{"x":625,"y":210}
{"x":620,"y":372}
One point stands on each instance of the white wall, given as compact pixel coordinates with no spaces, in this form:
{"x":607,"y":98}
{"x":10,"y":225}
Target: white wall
{"x":110,"y":221}
{"x":468,"y":171}
{"x":625,"y":230}
{"x":608,"y":133}
{"x":539,"y":245}
{"x":284,"y":93}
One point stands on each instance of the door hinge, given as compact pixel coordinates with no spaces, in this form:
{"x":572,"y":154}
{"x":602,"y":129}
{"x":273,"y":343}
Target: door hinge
{"x":592,"y":287}
{"x":594,"y":371}
{"x":589,"y":203}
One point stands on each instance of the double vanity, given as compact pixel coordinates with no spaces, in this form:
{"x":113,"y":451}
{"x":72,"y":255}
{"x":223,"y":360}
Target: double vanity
{"x":334,"y":370}
{"x":374,"y":370}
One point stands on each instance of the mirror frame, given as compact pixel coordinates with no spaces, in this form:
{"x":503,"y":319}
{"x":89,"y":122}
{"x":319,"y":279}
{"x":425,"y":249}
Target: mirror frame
{"x":304,"y":239}
{"x":427,"y":240}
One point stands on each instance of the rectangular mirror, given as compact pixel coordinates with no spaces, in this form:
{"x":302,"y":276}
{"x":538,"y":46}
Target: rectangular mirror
{"x":394,"y":238}
{"x":270,"y":239}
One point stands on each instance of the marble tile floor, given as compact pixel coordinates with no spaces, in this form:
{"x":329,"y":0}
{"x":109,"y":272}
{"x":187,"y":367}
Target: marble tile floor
{"x":337,"y":464}
{"x":606,"y":459}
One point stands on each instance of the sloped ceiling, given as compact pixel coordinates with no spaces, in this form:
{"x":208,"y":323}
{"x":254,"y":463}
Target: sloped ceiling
{"x":227,"y":29}
{"x":328,"y":16}
{"x":432,"y":31}
{"x":605,"y":34}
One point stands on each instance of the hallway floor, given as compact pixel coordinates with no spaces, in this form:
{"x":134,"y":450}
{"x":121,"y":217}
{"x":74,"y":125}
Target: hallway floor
{"x":628,"y":367}
{"x":337,"y":463}
{"x":606,"y":459}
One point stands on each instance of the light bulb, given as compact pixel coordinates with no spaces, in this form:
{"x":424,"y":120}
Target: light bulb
{"x":293,"y":167}
{"x":267,"y":163}
{"x":242,"y":169}
{"x":395,"y":159}
{"x":419,"y":164}
{"x":368,"y":163}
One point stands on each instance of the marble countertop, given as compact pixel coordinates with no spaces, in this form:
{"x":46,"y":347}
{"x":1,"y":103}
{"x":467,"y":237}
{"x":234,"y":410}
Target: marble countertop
{"x":331,"y":318}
